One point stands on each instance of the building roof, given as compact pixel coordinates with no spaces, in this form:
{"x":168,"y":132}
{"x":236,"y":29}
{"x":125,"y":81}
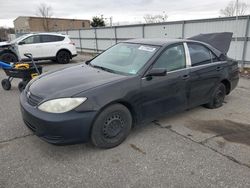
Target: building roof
{"x":37,"y":17}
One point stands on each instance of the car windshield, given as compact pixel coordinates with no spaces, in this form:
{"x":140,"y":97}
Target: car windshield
{"x":124,"y":58}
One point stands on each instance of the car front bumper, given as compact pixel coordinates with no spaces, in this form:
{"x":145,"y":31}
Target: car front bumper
{"x":67,"y":128}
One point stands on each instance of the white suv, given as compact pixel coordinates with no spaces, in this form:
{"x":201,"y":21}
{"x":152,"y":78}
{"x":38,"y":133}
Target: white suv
{"x":43,"y":46}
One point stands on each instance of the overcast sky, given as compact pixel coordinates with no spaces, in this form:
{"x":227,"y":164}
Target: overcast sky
{"x":123,"y":11}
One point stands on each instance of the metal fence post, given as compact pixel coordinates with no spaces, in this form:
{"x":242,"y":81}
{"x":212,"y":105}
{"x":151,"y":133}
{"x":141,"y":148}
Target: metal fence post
{"x":115,"y":34}
{"x":183,"y":30}
{"x":80,"y":39}
{"x":245,"y":43}
{"x":143,"y":31}
{"x":96,"y":42}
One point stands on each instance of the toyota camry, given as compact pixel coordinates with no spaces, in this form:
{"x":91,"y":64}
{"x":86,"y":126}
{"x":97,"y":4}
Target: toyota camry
{"x":132,"y":83}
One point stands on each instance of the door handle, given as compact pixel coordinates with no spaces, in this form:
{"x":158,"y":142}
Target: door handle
{"x":218,"y":68}
{"x":185,"y":77}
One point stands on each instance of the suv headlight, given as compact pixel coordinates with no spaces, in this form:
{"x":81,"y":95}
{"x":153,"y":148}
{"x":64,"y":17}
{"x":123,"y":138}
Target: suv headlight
{"x":61,"y":105}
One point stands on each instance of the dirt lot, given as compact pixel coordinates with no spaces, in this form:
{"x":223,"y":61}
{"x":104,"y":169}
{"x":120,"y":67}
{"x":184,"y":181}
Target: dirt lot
{"x":196,"y":148}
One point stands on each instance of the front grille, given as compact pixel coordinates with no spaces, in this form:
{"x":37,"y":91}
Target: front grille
{"x":32,"y":99}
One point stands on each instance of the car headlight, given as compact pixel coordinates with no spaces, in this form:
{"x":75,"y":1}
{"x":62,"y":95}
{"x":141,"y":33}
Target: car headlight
{"x":61,"y":105}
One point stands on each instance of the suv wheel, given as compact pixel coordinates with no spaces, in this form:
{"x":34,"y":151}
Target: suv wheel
{"x":63,"y":57}
{"x":8,"y":57}
{"x":111,"y":127}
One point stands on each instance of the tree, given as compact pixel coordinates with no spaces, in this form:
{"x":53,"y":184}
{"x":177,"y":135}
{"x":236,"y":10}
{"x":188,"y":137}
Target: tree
{"x":45,"y":11}
{"x":149,"y":18}
{"x":98,"y":21}
{"x":4,"y":33}
{"x":231,"y":9}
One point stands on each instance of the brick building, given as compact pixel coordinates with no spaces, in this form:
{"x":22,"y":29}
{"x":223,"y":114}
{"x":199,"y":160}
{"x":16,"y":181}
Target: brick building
{"x":24,"y":24}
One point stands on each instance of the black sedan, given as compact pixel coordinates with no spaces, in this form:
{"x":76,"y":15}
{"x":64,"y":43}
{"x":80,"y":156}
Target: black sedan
{"x":130,"y":84}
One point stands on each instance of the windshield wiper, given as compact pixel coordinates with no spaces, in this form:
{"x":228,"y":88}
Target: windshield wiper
{"x":102,"y":68}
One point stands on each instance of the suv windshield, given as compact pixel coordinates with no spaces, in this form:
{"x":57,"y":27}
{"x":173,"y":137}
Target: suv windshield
{"x":126,"y":58}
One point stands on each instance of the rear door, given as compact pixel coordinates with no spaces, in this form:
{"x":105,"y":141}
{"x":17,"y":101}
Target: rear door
{"x":51,"y":44}
{"x":164,"y":94}
{"x":205,"y":73}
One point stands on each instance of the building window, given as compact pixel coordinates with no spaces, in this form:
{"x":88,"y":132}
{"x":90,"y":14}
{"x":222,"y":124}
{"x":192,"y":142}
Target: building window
{"x":83,"y":24}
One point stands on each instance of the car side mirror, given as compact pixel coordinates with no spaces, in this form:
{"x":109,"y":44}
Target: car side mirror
{"x":21,"y":43}
{"x":157,"y":72}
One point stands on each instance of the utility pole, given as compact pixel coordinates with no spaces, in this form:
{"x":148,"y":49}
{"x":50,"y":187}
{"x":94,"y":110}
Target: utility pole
{"x":236,"y":28}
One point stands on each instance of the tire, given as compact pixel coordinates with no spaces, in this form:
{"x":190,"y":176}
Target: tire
{"x":111,"y":127}
{"x":63,"y":57}
{"x":217,"y":97}
{"x":6,"y":84}
{"x":8,"y":57}
{"x":22,"y":85}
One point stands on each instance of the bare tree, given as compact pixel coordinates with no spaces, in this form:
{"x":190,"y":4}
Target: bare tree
{"x":149,"y":18}
{"x":231,"y":9}
{"x":45,"y":11}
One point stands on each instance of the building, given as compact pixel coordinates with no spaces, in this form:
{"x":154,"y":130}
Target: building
{"x":25,"y":24}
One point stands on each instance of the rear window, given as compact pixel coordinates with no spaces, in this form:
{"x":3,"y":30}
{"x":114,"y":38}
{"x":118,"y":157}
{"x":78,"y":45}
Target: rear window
{"x":200,"y":55}
{"x":51,"y":38}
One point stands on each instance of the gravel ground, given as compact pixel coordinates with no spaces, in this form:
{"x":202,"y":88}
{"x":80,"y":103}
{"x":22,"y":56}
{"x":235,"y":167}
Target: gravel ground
{"x":195,"y":148}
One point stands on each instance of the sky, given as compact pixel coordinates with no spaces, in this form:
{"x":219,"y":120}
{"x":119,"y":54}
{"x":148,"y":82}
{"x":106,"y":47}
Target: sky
{"x":122,"y":11}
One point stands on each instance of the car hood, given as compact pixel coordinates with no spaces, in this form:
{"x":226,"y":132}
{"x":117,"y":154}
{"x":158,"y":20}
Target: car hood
{"x":71,"y":81}
{"x":3,"y":43}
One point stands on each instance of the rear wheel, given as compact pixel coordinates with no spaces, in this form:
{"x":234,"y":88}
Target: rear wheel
{"x":217,"y":97}
{"x":6,"y":84}
{"x":111,"y":127}
{"x":63,"y":57}
{"x":8,"y":57}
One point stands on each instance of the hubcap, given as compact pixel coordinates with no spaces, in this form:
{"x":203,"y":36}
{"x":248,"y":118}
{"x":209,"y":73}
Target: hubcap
{"x":219,"y":97}
{"x":64,"y":57}
{"x":113,"y":126}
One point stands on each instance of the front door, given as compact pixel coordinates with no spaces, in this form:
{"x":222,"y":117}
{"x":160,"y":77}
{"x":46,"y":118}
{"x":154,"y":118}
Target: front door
{"x":31,"y":45}
{"x":164,"y":94}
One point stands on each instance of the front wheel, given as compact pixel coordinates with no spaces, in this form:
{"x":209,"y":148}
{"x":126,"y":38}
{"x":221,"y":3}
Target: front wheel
{"x":63,"y":57}
{"x":111,"y":127}
{"x":217,"y":97}
{"x":8,"y":57}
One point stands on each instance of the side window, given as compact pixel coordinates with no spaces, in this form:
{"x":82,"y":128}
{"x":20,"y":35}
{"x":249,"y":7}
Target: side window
{"x":51,"y":38}
{"x":172,"y":59}
{"x":32,"y":40}
{"x":200,"y":55}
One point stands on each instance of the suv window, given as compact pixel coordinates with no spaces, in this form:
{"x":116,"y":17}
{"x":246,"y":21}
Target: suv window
{"x":51,"y":38}
{"x":200,"y":55}
{"x":172,"y":59}
{"x":32,"y":39}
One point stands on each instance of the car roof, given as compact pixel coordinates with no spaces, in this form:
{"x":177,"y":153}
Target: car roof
{"x":56,"y":34}
{"x":156,"y":42}
{"x":166,"y":42}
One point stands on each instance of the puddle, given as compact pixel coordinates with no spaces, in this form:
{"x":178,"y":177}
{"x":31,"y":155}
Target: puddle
{"x":229,"y":130}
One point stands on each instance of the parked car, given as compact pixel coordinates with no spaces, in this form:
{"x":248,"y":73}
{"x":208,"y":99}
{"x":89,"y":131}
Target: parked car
{"x":131,"y":83}
{"x":43,"y":46}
